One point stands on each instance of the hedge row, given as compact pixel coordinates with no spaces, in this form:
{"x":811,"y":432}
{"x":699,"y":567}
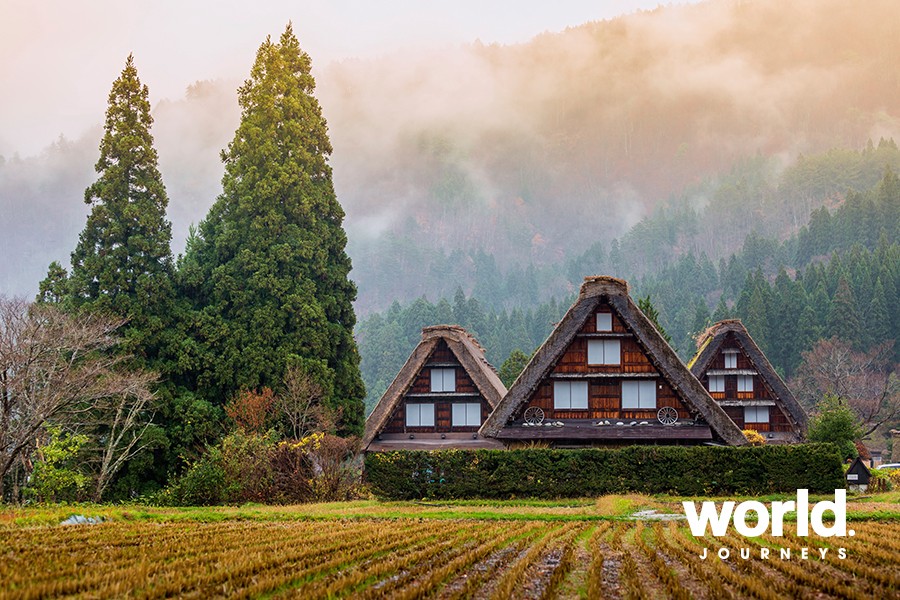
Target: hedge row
{"x":548,"y":473}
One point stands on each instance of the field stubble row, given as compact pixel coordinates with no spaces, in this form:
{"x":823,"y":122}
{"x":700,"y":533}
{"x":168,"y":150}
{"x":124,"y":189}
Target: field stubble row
{"x":449,"y":559}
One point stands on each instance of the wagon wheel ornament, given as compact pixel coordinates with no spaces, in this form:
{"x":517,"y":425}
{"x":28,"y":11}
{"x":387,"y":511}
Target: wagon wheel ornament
{"x":667,"y":415}
{"x":534,"y":415}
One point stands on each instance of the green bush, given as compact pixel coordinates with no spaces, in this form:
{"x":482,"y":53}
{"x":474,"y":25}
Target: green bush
{"x":253,"y":467}
{"x":57,"y":476}
{"x":880,"y":481}
{"x":547,"y":473}
{"x":202,"y":485}
{"x":834,"y":422}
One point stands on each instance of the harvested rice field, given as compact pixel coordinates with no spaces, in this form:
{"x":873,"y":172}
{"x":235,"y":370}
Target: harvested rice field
{"x":590,"y":549}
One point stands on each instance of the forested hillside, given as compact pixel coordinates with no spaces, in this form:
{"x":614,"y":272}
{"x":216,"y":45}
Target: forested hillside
{"x":838,"y":276}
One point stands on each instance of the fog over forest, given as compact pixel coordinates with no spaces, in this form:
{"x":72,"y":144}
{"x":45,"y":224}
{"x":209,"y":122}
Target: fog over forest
{"x":528,"y":152}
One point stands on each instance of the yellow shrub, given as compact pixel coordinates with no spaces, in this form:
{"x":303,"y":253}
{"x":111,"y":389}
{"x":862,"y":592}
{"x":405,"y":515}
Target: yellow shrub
{"x":754,"y":437}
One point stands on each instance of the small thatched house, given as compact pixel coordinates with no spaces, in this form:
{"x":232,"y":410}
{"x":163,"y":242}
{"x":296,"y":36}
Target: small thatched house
{"x":742,"y":381}
{"x":605,"y":376}
{"x":440,"y":398}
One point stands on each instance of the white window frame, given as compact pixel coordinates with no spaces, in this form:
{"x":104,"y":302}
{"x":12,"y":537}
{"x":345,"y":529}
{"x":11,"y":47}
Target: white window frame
{"x":443,"y":380}
{"x":570,"y":395}
{"x":756,"y":414}
{"x":716,"y":383}
{"x":604,"y":321}
{"x":745,"y":383}
{"x":639,"y":394}
{"x":420,"y":414}
{"x":731,"y":359}
{"x":604,"y":352}
{"x":465,"y":414}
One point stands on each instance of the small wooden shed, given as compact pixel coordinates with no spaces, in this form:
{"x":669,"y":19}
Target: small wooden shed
{"x":858,"y":475}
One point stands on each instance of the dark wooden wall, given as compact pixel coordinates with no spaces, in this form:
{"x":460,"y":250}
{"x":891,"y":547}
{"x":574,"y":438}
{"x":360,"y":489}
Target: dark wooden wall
{"x":605,"y":395}
{"x":778,"y":419}
{"x":443,"y":416}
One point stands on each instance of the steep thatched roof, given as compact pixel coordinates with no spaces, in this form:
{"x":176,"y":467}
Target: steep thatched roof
{"x":467,"y":351}
{"x":709,"y":344}
{"x":615,"y":292}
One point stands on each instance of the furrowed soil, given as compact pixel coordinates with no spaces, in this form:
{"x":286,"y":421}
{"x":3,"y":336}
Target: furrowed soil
{"x":570,"y":549}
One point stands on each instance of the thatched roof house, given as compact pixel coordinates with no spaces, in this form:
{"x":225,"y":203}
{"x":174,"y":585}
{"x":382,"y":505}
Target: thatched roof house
{"x":605,"y":376}
{"x":439,"y":398}
{"x":744,"y":383}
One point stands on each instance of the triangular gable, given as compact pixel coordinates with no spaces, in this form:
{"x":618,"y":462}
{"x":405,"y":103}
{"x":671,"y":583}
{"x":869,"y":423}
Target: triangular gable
{"x":467,"y":351}
{"x":614,"y":292}
{"x":709,"y":345}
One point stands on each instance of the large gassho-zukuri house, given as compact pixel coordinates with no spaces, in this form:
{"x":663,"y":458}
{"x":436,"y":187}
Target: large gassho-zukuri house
{"x":742,"y":381}
{"x":440,"y":397}
{"x":606,"y":377}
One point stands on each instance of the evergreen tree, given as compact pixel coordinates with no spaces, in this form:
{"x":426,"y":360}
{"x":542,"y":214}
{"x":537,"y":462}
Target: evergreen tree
{"x":646,"y":306}
{"x":54,"y":289}
{"x":123,"y":262}
{"x":512,"y":367}
{"x":268,"y":271}
{"x":843,"y":318}
{"x":700,"y":322}
{"x":722,"y":311}
{"x":878,"y":321}
{"x":123,"y":265}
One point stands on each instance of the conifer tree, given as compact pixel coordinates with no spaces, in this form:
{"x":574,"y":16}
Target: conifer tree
{"x":54,"y":289}
{"x":268,"y":269}
{"x":123,"y":262}
{"x":512,"y":367}
{"x":646,"y":306}
{"x":878,"y":321}
{"x":843,"y":318}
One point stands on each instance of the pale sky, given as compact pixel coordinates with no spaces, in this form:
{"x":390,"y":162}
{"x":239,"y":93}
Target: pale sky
{"x":58,"y":58}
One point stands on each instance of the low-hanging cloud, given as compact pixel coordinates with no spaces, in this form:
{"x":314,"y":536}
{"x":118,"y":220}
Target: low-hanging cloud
{"x":532,"y":151}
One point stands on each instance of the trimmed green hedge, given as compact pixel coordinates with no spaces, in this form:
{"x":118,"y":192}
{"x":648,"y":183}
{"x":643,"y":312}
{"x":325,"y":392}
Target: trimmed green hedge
{"x":546,"y":473}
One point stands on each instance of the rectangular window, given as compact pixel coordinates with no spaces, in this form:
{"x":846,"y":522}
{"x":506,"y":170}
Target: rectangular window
{"x":716,"y":383}
{"x":466,"y":415}
{"x":604,"y":352}
{"x":604,"y":321}
{"x":570,"y":394}
{"x":443,"y":380}
{"x":639,"y":395}
{"x":745,"y":383}
{"x":756,"y":414}
{"x":420,"y":415}
{"x":731,"y":359}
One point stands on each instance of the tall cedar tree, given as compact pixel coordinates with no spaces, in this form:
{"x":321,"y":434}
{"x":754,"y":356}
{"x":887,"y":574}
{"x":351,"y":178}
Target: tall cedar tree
{"x":123,"y":266}
{"x":123,"y":261}
{"x":268,"y":270}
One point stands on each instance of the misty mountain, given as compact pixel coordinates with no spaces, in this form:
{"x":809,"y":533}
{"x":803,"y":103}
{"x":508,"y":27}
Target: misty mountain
{"x":446,"y":161}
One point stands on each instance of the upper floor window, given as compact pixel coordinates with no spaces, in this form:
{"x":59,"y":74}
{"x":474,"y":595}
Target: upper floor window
{"x":731,"y":359}
{"x":466,"y":415}
{"x":716,"y":383}
{"x":443,"y":380}
{"x":604,"y":352}
{"x":570,"y":394}
{"x":639,"y":394}
{"x":745,"y":383}
{"x":604,"y":321}
{"x":756,"y":414}
{"x":420,"y":415}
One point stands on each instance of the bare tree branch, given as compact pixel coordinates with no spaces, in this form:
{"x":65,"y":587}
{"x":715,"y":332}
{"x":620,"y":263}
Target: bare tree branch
{"x":866,"y":381}
{"x":53,"y":362}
